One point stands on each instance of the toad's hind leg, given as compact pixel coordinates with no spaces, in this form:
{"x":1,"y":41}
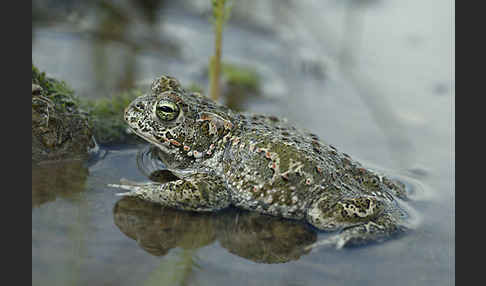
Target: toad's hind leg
{"x":360,"y":220}
{"x":198,"y":192}
{"x":377,"y":230}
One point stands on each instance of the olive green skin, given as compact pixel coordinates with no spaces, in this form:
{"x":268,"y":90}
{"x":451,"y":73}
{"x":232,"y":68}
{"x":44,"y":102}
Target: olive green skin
{"x":259,"y":163}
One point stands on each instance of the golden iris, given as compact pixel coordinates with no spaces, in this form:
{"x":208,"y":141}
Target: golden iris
{"x":167,"y":110}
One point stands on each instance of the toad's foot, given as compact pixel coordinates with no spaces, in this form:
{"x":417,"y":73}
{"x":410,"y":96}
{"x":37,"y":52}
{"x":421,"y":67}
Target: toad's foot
{"x":379,"y":229}
{"x":198,"y":192}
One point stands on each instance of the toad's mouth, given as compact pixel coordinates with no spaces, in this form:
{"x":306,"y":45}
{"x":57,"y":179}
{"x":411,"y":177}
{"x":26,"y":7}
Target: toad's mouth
{"x":151,"y":140}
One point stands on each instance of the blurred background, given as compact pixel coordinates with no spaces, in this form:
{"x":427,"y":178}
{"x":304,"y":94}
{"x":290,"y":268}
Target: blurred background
{"x":374,"y":78}
{"x":386,"y":56}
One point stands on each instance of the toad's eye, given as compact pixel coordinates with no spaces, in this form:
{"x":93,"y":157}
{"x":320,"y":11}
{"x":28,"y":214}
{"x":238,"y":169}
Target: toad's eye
{"x":167,"y":110}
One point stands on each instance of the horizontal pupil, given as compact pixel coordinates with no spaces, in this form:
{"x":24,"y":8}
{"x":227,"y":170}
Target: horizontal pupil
{"x":166,"y":109}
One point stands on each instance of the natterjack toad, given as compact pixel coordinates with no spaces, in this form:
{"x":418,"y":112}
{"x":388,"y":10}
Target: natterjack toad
{"x":258,"y":163}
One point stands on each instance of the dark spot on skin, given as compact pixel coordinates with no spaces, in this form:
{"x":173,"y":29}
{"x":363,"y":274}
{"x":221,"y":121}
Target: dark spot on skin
{"x":168,"y":135}
{"x":343,"y":213}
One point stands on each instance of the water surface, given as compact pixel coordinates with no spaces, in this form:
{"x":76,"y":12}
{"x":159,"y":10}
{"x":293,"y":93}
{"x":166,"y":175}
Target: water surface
{"x":389,"y":104}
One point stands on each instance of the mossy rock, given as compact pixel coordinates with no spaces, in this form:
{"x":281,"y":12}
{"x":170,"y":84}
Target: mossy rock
{"x":60,"y":130}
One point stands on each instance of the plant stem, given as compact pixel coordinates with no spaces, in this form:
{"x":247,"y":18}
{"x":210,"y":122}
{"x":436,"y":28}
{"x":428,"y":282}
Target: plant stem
{"x":215,"y":61}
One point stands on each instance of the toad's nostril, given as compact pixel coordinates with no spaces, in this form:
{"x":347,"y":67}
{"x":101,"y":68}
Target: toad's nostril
{"x":126,"y":110}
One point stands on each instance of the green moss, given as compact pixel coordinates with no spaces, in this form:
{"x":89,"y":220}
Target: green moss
{"x":241,"y":75}
{"x":56,"y":90}
{"x":107,"y":117}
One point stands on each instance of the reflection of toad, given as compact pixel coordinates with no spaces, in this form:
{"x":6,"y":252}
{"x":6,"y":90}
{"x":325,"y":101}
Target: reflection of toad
{"x":263,"y":238}
{"x":257,"y":237}
{"x":64,"y":179}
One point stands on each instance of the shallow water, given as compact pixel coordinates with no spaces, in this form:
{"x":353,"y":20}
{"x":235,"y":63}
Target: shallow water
{"x":392,"y":108}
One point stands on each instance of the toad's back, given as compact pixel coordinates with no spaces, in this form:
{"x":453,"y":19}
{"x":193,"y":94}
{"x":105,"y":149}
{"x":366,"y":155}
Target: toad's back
{"x":275,"y":168}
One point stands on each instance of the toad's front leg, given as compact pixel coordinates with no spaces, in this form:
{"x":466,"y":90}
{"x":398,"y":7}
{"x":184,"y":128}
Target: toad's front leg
{"x":198,"y":192}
